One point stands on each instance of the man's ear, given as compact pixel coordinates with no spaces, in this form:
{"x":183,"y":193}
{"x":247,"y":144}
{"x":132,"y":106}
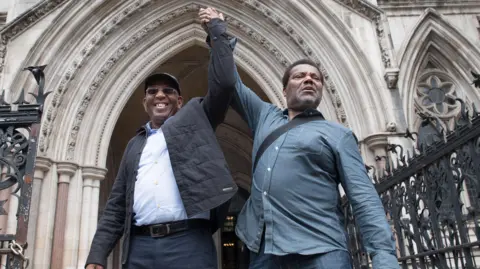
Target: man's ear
{"x":284,"y":92}
{"x":144,"y":103}
{"x":180,"y":101}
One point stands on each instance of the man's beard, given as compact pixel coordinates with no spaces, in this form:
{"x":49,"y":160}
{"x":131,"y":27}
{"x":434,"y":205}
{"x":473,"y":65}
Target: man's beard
{"x":302,"y":105}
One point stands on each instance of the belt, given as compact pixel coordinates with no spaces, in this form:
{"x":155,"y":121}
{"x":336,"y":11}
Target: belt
{"x":164,"y":229}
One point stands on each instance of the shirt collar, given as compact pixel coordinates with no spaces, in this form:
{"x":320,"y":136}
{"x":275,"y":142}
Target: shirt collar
{"x":148,"y":129}
{"x":306,"y":113}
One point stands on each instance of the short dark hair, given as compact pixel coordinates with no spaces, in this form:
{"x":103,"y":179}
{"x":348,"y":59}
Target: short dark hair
{"x":286,"y":75}
{"x":162,"y":78}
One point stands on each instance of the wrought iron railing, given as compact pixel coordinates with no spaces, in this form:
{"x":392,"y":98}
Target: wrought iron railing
{"x":431,"y":195}
{"x":19,"y":129}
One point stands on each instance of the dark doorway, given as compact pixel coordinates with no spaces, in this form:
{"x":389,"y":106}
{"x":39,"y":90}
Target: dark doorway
{"x":235,"y":255}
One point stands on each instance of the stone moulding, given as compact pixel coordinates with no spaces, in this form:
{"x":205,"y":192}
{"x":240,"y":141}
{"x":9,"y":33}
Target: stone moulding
{"x":45,"y":7}
{"x":307,"y":50}
{"x":83,"y":56}
{"x":108,"y":66}
{"x":271,"y":15}
{"x":23,"y":22}
{"x":376,"y":15}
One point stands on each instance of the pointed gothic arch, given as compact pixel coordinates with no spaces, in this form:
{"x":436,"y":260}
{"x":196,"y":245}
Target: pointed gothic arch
{"x":435,"y":41}
{"x":86,"y":57}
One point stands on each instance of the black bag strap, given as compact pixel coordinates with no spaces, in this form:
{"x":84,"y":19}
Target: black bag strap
{"x":279,"y":131}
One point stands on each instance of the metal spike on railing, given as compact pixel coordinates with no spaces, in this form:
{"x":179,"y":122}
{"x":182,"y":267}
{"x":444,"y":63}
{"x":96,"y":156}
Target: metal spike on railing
{"x":476,"y":113}
{"x":37,"y":72}
{"x":2,"y":98}
{"x":21,"y":98}
{"x":464,"y":118}
{"x":409,"y":134}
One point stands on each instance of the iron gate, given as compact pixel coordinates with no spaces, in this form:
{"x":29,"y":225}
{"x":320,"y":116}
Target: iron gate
{"x":19,"y":129}
{"x":431,"y":195}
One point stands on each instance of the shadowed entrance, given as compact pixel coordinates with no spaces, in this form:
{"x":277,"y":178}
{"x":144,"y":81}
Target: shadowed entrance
{"x":190,"y":67}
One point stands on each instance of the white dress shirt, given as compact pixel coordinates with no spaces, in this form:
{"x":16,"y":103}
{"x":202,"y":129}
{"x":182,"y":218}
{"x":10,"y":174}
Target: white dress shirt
{"x":157,"y":198}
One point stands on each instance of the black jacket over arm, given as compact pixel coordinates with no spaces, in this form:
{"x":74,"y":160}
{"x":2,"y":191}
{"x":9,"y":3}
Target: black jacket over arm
{"x":200,"y":169}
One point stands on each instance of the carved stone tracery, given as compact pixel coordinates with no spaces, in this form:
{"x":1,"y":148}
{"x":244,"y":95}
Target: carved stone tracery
{"x":88,"y":50}
{"x":24,"y":22}
{"x":41,"y":10}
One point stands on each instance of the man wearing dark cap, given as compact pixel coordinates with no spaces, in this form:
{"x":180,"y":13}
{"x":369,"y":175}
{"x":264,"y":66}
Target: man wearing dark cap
{"x":173,"y":185}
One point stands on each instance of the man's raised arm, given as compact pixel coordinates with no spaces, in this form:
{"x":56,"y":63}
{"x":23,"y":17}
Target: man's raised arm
{"x":221,"y":79}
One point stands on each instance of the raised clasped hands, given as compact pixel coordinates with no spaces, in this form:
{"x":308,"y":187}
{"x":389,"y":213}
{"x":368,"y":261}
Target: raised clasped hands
{"x":205,"y":15}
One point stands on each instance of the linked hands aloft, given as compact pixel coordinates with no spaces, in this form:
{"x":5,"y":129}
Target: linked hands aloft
{"x":205,"y":15}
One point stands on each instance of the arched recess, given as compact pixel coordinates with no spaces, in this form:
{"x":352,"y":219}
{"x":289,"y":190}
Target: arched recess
{"x":94,"y":54}
{"x":435,"y":43}
{"x":98,"y":130}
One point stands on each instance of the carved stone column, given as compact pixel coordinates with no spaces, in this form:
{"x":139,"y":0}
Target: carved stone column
{"x":91,"y":192}
{"x":65,"y":172}
{"x":72,"y":225}
{"x":377,"y":143}
{"x":42,"y":166}
{"x":46,"y":220}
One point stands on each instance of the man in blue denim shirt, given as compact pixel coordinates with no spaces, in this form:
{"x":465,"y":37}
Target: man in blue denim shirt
{"x":293,"y":218}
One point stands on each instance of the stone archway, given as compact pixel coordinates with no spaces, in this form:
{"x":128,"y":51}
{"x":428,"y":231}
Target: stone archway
{"x":190,"y":67}
{"x":99,"y":53}
{"x":83,"y":64}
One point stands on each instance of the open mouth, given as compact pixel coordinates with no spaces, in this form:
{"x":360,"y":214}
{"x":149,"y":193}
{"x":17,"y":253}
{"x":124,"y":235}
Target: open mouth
{"x":160,"y":105}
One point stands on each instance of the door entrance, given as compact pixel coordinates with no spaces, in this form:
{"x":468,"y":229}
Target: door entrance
{"x":235,"y":255}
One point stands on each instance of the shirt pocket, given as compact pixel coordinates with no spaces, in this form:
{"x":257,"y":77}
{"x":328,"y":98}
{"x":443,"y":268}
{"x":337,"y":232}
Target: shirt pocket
{"x":309,"y":145}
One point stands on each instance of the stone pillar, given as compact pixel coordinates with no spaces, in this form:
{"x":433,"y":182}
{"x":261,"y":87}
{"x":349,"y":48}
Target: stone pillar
{"x":65,"y":171}
{"x":91,"y":192}
{"x":72,"y":225}
{"x":377,"y":143}
{"x":42,"y":165}
{"x":46,"y":220}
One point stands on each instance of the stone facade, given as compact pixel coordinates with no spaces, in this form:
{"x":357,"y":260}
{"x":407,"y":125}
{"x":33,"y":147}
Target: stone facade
{"x":381,"y":59}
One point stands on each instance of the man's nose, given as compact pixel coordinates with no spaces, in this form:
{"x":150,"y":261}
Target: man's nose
{"x":160,"y":94}
{"x":308,"y":79}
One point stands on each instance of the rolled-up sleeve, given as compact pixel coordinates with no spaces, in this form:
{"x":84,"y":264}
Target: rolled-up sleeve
{"x":367,"y":207}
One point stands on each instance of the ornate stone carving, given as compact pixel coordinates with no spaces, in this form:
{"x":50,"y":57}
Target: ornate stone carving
{"x":374,"y":14}
{"x":88,"y":50}
{"x":307,"y":50}
{"x":391,"y":77}
{"x":77,"y":63}
{"x":21,"y":23}
{"x":259,"y":39}
{"x":436,"y":93}
{"x":391,"y":127}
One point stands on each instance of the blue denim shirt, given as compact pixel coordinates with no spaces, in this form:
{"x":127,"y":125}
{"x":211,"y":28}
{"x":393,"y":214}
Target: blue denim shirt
{"x":294,"y":192}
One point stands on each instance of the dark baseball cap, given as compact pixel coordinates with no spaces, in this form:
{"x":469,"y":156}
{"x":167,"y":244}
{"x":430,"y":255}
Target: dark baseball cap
{"x":162,"y":77}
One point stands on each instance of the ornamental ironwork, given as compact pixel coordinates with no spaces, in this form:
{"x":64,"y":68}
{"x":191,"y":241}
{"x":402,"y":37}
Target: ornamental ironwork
{"x":19,"y":130}
{"x":431,"y":192}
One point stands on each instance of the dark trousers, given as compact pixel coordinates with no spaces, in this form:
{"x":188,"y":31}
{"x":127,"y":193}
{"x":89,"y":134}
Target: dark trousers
{"x":337,"y":259}
{"x":184,"y":250}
